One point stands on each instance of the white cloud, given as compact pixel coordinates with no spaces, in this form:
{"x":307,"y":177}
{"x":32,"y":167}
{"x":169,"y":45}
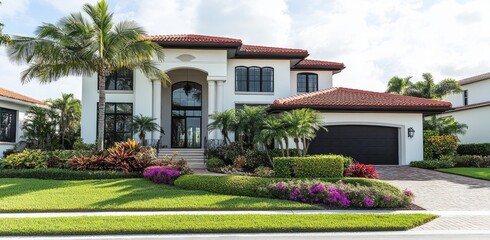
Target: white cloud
{"x":69,"y":6}
{"x":11,"y":8}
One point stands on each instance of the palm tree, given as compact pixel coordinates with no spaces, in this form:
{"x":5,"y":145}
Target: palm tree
{"x":4,"y":39}
{"x":39,"y":128}
{"x":273,"y":130}
{"x":143,"y":124}
{"x":249,"y":122}
{"x":224,"y":122}
{"x":305,"y":123}
{"x":69,"y":109}
{"x":79,"y":46}
{"x":398,"y":85}
{"x":445,"y":126}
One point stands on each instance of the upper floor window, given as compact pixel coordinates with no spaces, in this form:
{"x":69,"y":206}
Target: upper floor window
{"x":119,"y":80}
{"x":7,"y":125}
{"x":465,"y":97}
{"x":307,"y":82}
{"x":254,"y":79}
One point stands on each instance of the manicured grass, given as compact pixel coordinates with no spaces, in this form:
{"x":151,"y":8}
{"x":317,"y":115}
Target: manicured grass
{"x":480,"y":173}
{"x":211,"y":223}
{"x":35,"y":195}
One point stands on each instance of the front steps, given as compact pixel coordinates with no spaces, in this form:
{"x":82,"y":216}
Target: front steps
{"x":195,"y":157}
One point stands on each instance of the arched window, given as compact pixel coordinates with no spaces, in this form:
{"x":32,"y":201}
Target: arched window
{"x":254,"y":79}
{"x":307,"y":82}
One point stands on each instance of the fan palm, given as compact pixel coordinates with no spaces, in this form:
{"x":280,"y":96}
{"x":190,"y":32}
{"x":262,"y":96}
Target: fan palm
{"x":78,"y":46}
{"x":224,"y":122}
{"x":398,"y":85}
{"x":143,"y":124}
{"x":69,"y":109}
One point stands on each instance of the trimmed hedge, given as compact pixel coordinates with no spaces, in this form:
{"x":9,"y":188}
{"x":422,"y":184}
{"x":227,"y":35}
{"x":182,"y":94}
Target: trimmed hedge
{"x":482,"y":149}
{"x":257,"y":186}
{"x":329,"y":166}
{"x":64,"y":174}
{"x":432,"y":164}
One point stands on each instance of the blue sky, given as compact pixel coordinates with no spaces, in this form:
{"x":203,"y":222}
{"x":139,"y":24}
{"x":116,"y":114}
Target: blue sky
{"x":375,"y":39}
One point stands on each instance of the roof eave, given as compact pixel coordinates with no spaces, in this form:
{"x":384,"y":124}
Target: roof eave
{"x":426,"y":110}
{"x":199,"y":45}
{"x":271,"y":55}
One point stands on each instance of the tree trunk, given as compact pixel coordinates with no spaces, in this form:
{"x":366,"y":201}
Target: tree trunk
{"x":296,"y":142}
{"x":142,"y":138}
{"x":282,"y":148}
{"x":286,"y":141}
{"x":268,"y":155}
{"x":101,"y":117}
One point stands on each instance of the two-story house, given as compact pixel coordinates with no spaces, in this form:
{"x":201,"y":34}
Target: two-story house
{"x":472,"y":107}
{"x":212,"y":74}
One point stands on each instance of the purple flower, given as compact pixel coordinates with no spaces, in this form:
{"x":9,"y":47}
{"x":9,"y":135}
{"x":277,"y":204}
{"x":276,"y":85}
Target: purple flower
{"x":408,"y":193}
{"x":368,"y":201}
{"x":387,"y":198}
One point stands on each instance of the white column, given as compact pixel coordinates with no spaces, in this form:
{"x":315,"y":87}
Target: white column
{"x":211,"y":104}
{"x":219,"y":101}
{"x":157,"y":106}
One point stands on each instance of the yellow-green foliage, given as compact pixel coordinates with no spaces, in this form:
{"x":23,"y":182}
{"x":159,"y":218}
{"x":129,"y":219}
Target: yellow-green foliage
{"x":26,"y":159}
{"x":330,"y":166}
{"x":437,"y":146}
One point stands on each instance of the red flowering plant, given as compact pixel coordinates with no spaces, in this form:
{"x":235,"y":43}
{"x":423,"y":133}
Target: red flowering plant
{"x":361,"y":170}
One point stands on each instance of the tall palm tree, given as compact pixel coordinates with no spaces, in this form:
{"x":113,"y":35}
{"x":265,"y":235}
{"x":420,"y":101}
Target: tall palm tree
{"x":445,"y":126}
{"x":143,"y":124}
{"x":4,"y":39}
{"x":79,"y":46}
{"x":69,"y":109}
{"x":224,"y":122}
{"x":398,"y":85}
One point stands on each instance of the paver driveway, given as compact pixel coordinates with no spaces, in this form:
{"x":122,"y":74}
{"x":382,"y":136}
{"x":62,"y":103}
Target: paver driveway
{"x":439,"y":191}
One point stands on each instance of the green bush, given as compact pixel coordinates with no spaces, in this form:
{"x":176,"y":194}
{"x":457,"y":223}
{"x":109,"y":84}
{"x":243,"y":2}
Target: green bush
{"x":311,"y":166}
{"x":432,"y":164}
{"x":26,"y":159}
{"x":482,"y":149}
{"x":437,"y":146}
{"x":214,"y":163}
{"x":258,"y":187}
{"x":64,"y":174}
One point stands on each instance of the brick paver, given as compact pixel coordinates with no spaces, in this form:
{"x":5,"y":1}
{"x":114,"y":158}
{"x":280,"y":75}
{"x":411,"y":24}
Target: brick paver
{"x":443,"y":192}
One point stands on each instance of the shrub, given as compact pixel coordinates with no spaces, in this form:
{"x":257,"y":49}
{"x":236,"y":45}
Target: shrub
{"x":214,"y":163}
{"x":26,"y":159}
{"x":338,"y":194}
{"x":94,"y":162}
{"x":437,"y":146}
{"x":80,"y":145}
{"x":161,"y":175}
{"x":432,"y":164}
{"x":361,"y":170}
{"x":311,"y":166}
{"x":171,"y":163}
{"x":348,"y":161}
{"x":263,"y":172}
{"x":64,"y":174}
{"x":471,"y":161}
{"x":482,"y":149}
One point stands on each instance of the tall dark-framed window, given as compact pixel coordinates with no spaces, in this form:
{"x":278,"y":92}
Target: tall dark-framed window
{"x":307,"y":82}
{"x":254,"y":79}
{"x":118,"y":117}
{"x":465,"y":97}
{"x":8,"y":122}
{"x":119,"y":80}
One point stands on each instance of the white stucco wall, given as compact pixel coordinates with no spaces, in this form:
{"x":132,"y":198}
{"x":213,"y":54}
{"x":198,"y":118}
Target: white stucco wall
{"x":410,"y":149}
{"x":477,"y":92}
{"x":21,"y":109}
{"x":325,"y":80}
{"x":477,"y":120}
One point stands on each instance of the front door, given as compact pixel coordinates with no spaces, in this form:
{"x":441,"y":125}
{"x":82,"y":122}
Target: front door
{"x":186,"y":115}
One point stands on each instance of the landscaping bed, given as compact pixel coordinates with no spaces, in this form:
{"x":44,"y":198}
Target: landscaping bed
{"x":166,"y":224}
{"x":478,"y":173}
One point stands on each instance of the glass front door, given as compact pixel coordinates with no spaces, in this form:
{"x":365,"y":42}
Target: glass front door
{"x":186,"y":115}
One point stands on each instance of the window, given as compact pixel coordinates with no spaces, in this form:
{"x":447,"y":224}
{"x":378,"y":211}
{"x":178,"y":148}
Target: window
{"x":119,"y":80}
{"x":307,"y":82}
{"x":242,"y":105}
{"x":7,"y":125}
{"x":118,"y":117}
{"x":254,"y":79}
{"x":465,"y":97}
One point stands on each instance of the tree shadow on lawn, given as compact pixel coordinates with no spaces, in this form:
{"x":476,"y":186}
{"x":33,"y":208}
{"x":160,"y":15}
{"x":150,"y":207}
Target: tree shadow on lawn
{"x":18,"y":186}
{"x":136,"y":191}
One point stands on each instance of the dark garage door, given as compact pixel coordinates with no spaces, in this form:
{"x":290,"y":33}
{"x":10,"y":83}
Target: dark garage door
{"x":366,"y":144}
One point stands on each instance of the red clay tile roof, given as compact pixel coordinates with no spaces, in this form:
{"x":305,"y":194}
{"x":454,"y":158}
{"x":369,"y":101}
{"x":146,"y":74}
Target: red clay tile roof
{"x":263,"y":49}
{"x":352,"y":98}
{"x":314,"y":64}
{"x":192,"y":38}
{"x":473,"y":79}
{"x":17,"y":96}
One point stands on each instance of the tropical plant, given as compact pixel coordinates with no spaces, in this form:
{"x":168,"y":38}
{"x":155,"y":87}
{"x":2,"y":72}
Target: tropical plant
{"x":445,"y":125}
{"x":70,"y":112}
{"x":304,"y":124}
{"x":425,"y":88}
{"x":4,"y":39}
{"x":249,"y":122}
{"x":273,"y":131}
{"x":77,"y":45}
{"x":143,"y":124}
{"x":224,"y":122}
{"x":40,"y":128}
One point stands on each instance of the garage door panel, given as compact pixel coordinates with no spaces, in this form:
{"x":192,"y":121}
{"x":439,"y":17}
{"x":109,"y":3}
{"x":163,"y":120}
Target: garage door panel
{"x":366,"y":144}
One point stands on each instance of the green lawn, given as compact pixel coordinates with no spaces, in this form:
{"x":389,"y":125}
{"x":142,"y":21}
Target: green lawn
{"x":480,"y":173}
{"x":211,"y":223}
{"x":34,"y":195}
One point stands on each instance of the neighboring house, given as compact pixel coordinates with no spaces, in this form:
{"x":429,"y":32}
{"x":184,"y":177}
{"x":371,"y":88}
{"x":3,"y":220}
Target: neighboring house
{"x":211,"y":74}
{"x":13,"y":107}
{"x":472,"y":107}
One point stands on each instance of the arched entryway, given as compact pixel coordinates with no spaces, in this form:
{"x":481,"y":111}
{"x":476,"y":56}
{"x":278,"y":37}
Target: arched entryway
{"x":186,"y":122}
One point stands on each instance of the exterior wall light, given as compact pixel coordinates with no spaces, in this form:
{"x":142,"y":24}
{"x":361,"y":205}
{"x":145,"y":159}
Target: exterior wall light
{"x":411,"y":132}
